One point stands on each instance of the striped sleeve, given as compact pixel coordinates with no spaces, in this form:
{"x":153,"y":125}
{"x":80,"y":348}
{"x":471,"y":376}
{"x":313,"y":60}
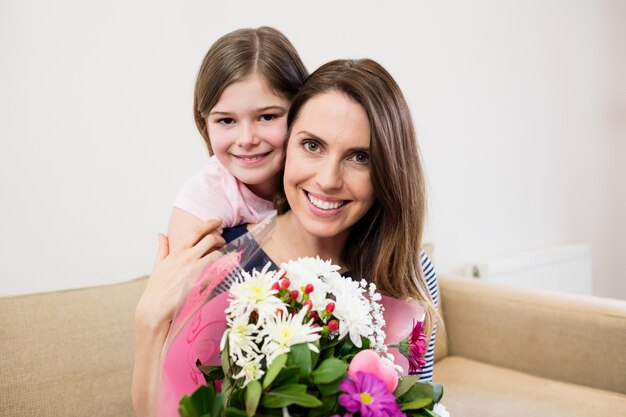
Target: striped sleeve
{"x":426,"y":374}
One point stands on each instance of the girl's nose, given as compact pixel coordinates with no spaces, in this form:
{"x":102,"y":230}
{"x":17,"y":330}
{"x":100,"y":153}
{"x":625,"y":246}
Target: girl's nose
{"x":247,"y":136}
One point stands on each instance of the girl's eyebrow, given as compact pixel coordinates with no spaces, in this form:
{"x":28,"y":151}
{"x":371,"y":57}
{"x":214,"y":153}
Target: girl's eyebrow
{"x":262,"y":109}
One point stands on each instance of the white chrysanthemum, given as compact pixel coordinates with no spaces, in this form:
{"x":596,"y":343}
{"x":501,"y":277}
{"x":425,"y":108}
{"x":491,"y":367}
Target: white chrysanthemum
{"x":251,"y":369}
{"x":284,"y":330}
{"x":347,"y":288}
{"x":241,"y":337}
{"x":306,"y":271}
{"x":318,"y":266}
{"x":255,"y":293}
{"x":354,"y":318}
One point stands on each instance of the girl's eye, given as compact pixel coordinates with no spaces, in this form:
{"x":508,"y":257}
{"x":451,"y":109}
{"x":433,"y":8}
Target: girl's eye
{"x":226,"y":121}
{"x":311,"y":146}
{"x":267,"y":117}
{"x":361,"y":158}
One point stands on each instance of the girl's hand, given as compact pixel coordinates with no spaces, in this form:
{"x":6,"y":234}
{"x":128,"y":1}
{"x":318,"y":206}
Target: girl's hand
{"x":172,"y":271}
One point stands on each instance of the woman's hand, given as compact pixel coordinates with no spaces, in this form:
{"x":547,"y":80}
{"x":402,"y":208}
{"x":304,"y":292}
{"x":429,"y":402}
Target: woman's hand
{"x":172,"y":271}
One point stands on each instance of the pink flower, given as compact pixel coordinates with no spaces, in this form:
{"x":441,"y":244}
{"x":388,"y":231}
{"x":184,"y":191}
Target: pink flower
{"x":414,"y":348}
{"x":370,"y":362}
{"x":368,"y":394}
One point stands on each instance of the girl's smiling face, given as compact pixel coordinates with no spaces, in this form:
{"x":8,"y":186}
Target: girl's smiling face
{"x":327,"y":169}
{"x":247,"y":128}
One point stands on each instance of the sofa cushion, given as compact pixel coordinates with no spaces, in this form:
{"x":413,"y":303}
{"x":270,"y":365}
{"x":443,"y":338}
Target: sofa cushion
{"x":68,"y":353}
{"x":565,"y":337}
{"x":473,"y":389}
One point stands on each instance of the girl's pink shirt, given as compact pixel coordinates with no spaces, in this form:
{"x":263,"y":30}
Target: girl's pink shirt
{"x":214,"y":193}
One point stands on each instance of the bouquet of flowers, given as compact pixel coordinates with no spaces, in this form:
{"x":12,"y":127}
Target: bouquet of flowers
{"x":306,"y":341}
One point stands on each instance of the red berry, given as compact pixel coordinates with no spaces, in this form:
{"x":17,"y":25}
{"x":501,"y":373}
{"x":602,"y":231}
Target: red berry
{"x":333,"y":325}
{"x":279,"y":311}
{"x":313,"y":315}
{"x":285,"y":283}
{"x":276,"y":286}
{"x":294,"y":294}
{"x":330,"y":307}
{"x":308,"y":289}
{"x":308,"y":304}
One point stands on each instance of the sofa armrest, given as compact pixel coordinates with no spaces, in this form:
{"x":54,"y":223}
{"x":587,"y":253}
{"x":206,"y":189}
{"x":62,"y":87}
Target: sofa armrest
{"x":576,"y":339}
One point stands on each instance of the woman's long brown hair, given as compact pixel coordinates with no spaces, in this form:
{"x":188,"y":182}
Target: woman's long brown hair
{"x":385,"y":245}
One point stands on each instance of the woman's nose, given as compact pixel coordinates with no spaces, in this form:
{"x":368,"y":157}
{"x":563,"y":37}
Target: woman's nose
{"x":247,"y":136}
{"x":330,"y":175}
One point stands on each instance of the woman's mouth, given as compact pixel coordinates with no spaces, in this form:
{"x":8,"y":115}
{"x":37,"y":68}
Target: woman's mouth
{"x":324,"y":204}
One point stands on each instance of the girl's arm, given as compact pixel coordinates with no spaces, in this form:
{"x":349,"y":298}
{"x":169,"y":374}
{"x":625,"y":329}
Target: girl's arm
{"x":182,"y":225}
{"x":155,"y":310}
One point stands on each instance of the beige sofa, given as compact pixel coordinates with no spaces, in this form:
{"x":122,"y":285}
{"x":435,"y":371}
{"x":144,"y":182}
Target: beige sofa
{"x":510,"y":352}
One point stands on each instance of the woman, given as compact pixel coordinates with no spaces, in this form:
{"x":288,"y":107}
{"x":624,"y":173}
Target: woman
{"x":352,"y":190}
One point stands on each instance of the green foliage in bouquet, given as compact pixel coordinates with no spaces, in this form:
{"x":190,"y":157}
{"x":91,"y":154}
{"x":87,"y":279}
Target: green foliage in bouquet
{"x":304,"y":381}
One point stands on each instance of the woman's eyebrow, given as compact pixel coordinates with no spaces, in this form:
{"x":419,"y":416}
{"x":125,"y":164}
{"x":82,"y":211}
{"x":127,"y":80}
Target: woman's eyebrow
{"x":311,"y":136}
{"x":323,"y":142}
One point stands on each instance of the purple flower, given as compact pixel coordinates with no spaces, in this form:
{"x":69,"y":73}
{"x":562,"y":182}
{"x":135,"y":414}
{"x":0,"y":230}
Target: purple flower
{"x":368,"y":395}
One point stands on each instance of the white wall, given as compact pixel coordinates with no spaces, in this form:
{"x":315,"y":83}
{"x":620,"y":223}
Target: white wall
{"x":512,"y":102}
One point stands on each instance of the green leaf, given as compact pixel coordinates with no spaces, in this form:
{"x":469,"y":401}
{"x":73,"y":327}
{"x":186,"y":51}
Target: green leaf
{"x":300,"y":355}
{"x":288,"y":375}
{"x":421,"y":390}
{"x":185,"y":408}
{"x":234,"y":412}
{"x":404,"y":384}
{"x":218,"y":405}
{"x":330,"y":370}
{"x":225,"y":360}
{"x":346,"y":347}
{"x":331,"y":388}
{"x":199,"y":404}
{"x":288,"y":395}
{"x":437,"y":392}
{"x":237,"y":398}
{"x":253,"y":395}
{"x":329,"y":407}
{"x":274,"y":370}
{"x":211,"y":373}
{"x":315,"y":355}
{"x":416,"y":404}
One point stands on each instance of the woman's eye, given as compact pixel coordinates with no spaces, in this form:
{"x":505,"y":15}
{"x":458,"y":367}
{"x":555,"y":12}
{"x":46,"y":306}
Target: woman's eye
{"x":267,"y":117}
{"x":361,"y":158}
{"x":311,"y":146}
{"x":226,"y":121}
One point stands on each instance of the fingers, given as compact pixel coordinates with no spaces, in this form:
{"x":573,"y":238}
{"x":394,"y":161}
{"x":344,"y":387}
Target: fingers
{"x":208,"y":243}
{"x":201,"y":231}
{"x":164,"y":247}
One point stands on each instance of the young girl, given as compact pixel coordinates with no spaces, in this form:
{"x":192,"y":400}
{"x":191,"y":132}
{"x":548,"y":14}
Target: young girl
{"x":242,"y":97}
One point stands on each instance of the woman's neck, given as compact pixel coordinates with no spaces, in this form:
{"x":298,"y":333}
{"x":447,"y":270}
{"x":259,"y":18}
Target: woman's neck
{"x":290,"y":241}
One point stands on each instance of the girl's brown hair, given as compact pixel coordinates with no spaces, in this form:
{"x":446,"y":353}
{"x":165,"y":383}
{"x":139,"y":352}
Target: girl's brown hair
{"x":238,"y":54}
{"x":385,"y":245}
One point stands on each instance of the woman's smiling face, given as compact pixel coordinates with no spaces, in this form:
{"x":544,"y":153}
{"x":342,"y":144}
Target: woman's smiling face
{"x":327,"y":169}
